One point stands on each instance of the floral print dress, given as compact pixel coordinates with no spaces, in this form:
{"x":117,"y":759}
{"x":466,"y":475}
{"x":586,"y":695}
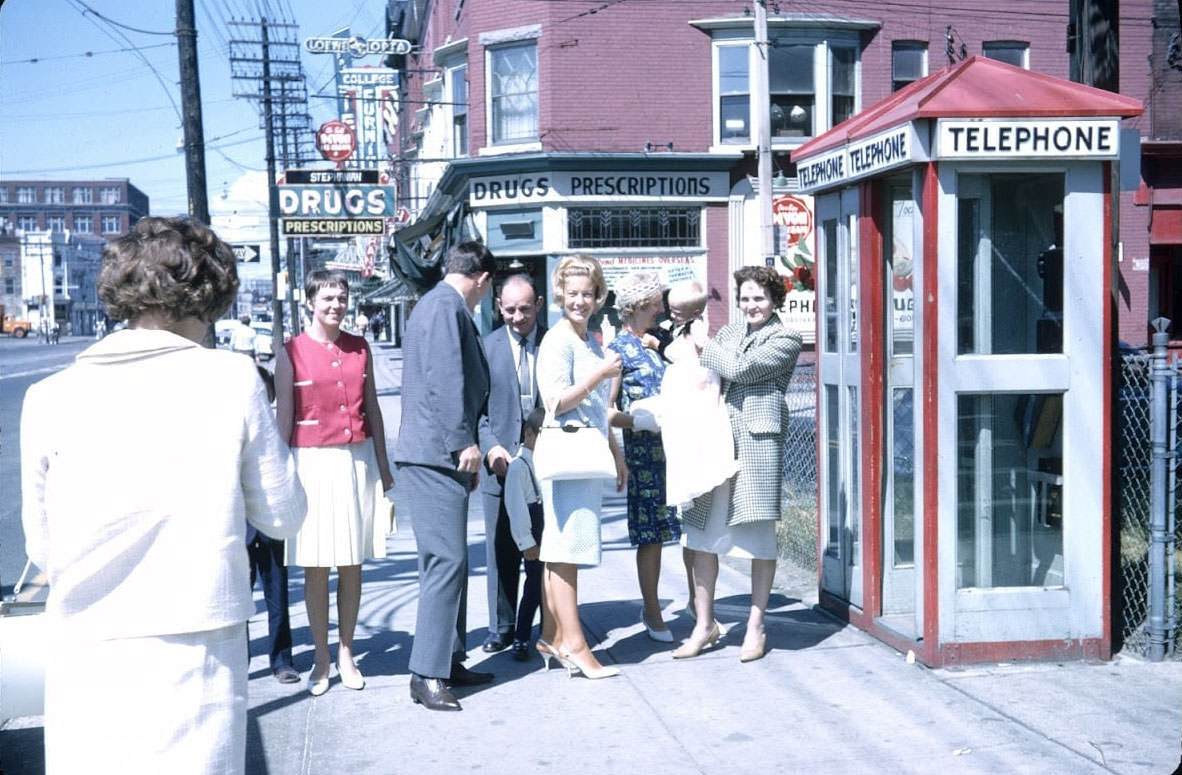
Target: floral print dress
{"x":650,"y":521}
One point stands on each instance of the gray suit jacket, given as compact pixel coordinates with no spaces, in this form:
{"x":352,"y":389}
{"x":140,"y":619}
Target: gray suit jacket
{"x":444,"y":381}
{"x":501,"y":424}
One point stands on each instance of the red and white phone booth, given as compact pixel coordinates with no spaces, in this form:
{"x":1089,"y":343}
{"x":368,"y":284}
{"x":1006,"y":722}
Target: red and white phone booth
{"x":965,"y":321}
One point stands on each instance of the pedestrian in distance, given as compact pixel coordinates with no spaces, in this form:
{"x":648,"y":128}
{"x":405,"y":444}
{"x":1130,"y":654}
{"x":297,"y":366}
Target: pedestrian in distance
{"x":511,"y":351}
{"x":444,"y":393}
{"x":242,"y":338}
{"x":754,"y":359}
{"x":138,"y":490}
{"x":327,"y":404}
{"x":574,"y":379}
{"x":523,"y":505}
{"x":651,"y":523}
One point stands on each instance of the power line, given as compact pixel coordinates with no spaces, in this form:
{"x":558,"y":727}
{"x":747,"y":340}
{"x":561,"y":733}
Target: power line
{"x":84,"y":54}
{"x":11,"y":173}
{"x":112,"y":22}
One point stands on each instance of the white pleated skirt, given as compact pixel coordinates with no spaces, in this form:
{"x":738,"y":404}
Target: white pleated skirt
{"x":748,"y":541}
{"x":166,"y":703}
{"x":344,"y":491}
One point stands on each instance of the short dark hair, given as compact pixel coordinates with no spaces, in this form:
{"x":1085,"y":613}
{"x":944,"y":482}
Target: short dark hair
{"x":765,"y":276}
{"x":534,"y":420}
{"x":176,"y":267}
{"x":323,"y":278}
{"x":469,"y":258}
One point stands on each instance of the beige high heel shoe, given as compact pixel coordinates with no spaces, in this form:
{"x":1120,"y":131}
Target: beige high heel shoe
{"x":573,"y":666}
{"x":689,"y":649}
{"x":757,"y":651}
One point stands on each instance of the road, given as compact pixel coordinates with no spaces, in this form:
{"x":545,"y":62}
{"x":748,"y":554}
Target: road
{"x":22,"y":362}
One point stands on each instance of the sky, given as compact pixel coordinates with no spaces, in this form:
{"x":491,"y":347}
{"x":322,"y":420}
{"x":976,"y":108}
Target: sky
{"x":83,"y":95}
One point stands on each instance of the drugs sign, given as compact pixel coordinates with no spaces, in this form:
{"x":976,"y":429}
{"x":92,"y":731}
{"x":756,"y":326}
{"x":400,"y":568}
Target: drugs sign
{"x":337,"y":201}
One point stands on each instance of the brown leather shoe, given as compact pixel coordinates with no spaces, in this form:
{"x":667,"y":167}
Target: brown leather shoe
{"x":432,"y":693}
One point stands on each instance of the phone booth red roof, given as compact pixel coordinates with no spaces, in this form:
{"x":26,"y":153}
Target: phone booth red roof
{"x":978,"y":87}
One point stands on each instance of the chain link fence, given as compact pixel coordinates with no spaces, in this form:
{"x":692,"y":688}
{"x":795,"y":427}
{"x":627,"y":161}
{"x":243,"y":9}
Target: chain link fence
{"x":798,"y":525}
{"x":1134,"y":464}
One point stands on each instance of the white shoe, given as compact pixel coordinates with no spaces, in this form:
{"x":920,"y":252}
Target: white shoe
{"x":661,"y":636}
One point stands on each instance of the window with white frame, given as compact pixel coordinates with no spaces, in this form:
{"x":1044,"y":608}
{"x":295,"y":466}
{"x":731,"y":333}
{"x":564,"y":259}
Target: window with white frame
{"x":109,"y":195}
{"x":26,"y":222}
{"x":458,"y":89}
{"x":813,"y":84}
{"x":84,"y":224}
{"x":56,"y":223}
{"x":3,"y":195}
{"x":513,"y":92}
{"x":909,"y":62}
{"x":55,"y":195}
{"x":1013,"y":52}
{"x":83,"y":195}
{"x":111,"y":224}
{"x":25,"y":195}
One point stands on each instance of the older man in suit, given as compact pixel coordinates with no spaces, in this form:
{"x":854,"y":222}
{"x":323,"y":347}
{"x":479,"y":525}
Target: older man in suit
{"x":444,"y":394}
{"x":511,"y":351}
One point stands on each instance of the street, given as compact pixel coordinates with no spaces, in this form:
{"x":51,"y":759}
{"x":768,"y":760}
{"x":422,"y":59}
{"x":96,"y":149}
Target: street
{"x":22,"y":362}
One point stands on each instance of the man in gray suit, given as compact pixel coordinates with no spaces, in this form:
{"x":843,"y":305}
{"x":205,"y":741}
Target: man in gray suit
{"x":511,"y":351}
{"x":444,"y":393}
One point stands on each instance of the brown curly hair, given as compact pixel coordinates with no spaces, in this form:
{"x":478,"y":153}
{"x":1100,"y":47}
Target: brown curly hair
{"x":766,"y":277}
{"x":177,"y":267}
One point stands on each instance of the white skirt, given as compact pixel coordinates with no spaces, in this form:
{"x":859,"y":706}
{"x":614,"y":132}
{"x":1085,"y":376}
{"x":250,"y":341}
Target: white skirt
{"x":166,"y":703}
{"x":749,"y":541}
{"x":344,"y":491}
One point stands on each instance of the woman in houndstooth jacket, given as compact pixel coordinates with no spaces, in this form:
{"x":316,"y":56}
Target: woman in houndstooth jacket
{"x":754,"y":360}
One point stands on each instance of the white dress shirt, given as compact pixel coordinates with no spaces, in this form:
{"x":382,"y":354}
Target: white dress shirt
{"x":521,"y":489}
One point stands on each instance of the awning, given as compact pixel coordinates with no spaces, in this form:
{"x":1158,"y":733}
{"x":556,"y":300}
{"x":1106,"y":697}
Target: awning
{"x":419,"y":248}
{"x":392,"y":291}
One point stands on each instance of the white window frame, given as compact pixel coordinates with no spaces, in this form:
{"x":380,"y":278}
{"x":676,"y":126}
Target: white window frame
{"x":26,"y":195}
{"x":83,"y":195}
{"x":109,"y":195}
{"x":1007,"y":45}
{"x":493,"y":41}
{"x":823,"y":42}
{"x":909,"y":45}
{"x":83,"y":223}
{"x":26,"y":222}
{"x":114,"y":221}
{"x":453,"y":77}
{"x":54,"y":195}
{"x":56,"y":223}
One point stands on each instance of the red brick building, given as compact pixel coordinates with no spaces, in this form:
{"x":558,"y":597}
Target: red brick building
{"x":625,"y":129}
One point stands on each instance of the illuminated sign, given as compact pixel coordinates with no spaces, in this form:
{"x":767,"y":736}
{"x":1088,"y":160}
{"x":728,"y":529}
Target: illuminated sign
{"x":337,"y":201}
{"x":332,"y":227}
{"x":357,"y":46}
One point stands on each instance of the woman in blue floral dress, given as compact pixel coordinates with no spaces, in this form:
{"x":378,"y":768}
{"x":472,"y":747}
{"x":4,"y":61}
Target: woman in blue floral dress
{"x":650,"y":522}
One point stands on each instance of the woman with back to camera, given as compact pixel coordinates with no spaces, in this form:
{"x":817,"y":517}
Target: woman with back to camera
{"x":650,"y":522}
{"x":327,"y":404}
{"x":754,"y":359}
{"x":574,"y":380}
{"x":141,"y":466}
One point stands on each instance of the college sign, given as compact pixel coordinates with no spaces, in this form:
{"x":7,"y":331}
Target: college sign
{"x":1073,"y":138}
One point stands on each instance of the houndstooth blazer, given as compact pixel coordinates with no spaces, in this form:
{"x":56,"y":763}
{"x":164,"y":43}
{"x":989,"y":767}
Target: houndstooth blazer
{"x":755,"y":369}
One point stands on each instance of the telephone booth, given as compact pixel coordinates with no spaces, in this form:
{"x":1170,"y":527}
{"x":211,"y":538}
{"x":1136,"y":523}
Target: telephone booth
{"x":966,"y":318}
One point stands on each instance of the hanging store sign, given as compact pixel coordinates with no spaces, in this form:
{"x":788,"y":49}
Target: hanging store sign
{"x":333,"y":227}
{"x":598,"y":186}
{"x":369,"y":94}
{"x":337,"y":201}
{"x":331,"y":177}
{"x":357,"y":46}
{"x":1079,"y":138}
{"x":336,"y":141}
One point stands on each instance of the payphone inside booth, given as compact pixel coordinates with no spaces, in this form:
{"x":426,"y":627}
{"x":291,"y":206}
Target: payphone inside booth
{"x":964,"y":248}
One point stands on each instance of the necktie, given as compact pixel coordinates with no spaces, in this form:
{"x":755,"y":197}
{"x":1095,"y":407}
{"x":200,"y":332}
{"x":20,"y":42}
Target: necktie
{"x":524,"y":379}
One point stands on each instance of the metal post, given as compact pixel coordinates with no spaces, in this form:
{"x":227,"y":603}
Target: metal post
{"x":761,"y":113}
{"x":1159,"y":378}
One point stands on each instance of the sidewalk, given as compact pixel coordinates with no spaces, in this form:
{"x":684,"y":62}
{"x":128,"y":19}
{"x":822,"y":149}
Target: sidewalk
{"x":826,"y":699}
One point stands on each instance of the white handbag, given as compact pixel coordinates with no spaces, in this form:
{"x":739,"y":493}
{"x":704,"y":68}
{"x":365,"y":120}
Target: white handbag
{"x":572,"y":451}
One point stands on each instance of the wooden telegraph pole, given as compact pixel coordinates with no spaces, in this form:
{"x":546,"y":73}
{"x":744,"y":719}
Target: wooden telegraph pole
{"x":186,"y":33}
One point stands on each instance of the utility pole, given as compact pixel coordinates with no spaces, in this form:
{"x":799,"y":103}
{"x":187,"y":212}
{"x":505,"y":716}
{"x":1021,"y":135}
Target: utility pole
{"x":274,"y":77}
{"x":186,"y":33}
{"x":761,"y":113}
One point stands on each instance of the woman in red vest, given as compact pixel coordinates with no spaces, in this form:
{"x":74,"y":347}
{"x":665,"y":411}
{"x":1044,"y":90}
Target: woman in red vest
{"x":328,"y":411}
